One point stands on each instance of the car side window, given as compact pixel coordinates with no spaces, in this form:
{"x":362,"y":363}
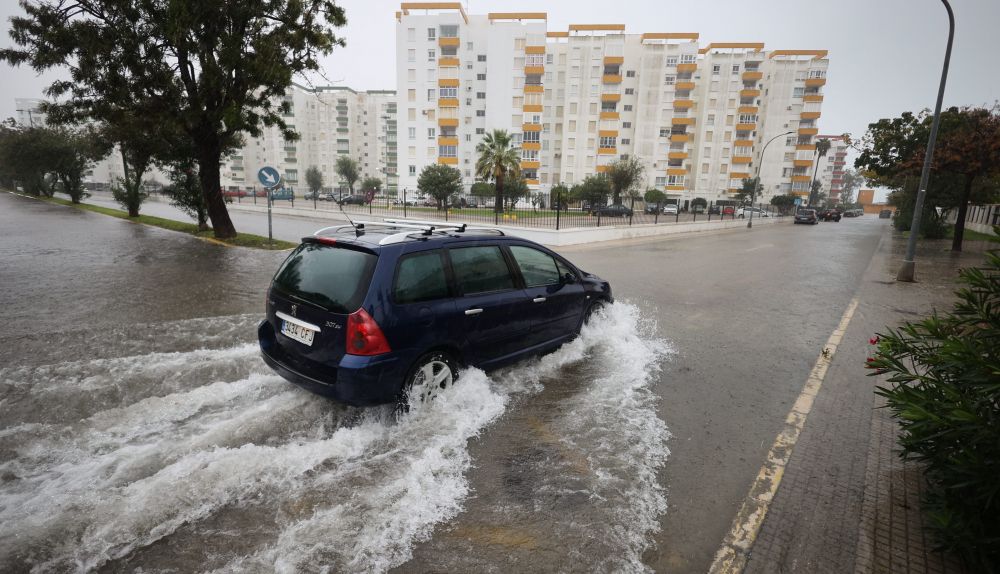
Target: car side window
{"x":564,"y":269}
{"x":480,"y":269}
{"x":537,"y":268}
{"x":420,"y":277}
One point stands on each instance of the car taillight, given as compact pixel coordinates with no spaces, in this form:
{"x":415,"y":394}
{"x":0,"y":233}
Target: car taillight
{"x":364,"y":337}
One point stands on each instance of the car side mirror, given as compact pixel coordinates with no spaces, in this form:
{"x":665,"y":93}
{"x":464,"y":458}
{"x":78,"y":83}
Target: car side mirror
{"x":568,"y":278}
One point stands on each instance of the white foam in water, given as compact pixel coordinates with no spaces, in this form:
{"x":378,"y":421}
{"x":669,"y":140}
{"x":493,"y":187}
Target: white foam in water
{"x":351,"y":490}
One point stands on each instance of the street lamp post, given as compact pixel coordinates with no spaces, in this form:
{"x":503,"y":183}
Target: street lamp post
{"x":909,"y":266}
{"x":756,"y":179}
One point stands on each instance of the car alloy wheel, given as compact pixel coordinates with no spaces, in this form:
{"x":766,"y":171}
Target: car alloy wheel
{"x":431,"y":374}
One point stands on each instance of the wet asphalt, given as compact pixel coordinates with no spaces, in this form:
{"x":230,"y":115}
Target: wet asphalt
{"x":721,"y":329}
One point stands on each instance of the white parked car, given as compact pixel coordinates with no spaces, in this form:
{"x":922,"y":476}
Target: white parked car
{"x":670,"y":209}
{"x":744,"y":212}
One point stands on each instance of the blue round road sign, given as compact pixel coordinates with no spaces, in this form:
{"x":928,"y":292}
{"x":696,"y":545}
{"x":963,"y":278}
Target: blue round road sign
{"x":269,"y":177}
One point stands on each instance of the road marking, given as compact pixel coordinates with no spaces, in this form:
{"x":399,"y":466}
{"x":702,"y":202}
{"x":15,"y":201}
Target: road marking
{"x":732,"y":556}
{"x":765,"y":246}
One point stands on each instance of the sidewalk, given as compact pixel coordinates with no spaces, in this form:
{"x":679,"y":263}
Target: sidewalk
{"x":847,"y":502}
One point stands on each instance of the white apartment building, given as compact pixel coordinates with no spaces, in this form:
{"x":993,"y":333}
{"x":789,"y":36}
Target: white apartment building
{"x":331,"y":121}
{"x":576,"y":100}
{"x":29,"y":112}
{"x":831,"y":167}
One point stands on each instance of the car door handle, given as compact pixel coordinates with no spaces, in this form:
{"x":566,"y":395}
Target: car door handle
{"x":538,"y":300}
{"x":473,"y":311}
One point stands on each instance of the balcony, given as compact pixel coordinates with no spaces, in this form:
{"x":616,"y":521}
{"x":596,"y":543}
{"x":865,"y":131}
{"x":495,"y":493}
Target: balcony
{"x":747,"y":110}
{"x":742,"y":159}
{"x":532,"y":108}
{"x":445,"y":42}
{"x":448,"y":62}
{"x":609,"y":115}
{"x":527,"y":164}
{"x":612,"y":78}
{"x":805,"y":147}
{"x":536,"y":146}
{"x":680,"y":138}
{"x":810,"y":115}
{"x":447,"y":140}
{"x":607,"y":133}
{"x":533,"y":89}
{"x":677,"y":155}
{"x":611,"y":97}
{"x":447,"y":102}
{"x":808,"y":131}
{"x":752,"y":76}
{"x":676,"y":171}
{"x":531,"y":127}
{"x":602,"y":168}
{"x":801,"y":179}
{"x":690,"y":67}
{"x":682,"y":121}
{"x":448,"y":122}
{"x":534,"y":70}
{"x":448,"y":160}
{"x":812,"y":98}
{"x":802,"y":162}
{"x":448,"y":82}
{"x":743,"y":143}
{"x":683,"y":104}
{"x":614,"y":60}
{"x":749,"y":93}
{"x":684,"y":86}
{"x":746,"y":127}
{"x":607,"y":151}
{"x":815,"y":82}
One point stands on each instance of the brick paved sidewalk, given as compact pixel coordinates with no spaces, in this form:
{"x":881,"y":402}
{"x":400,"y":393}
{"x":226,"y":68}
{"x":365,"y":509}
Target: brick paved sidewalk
{"x":847,"y":502}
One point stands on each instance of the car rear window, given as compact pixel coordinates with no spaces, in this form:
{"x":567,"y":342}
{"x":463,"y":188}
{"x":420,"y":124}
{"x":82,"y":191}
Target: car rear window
{"x":420,"y":277}
{"x":480,"y":269}
{"x":331,"y":277}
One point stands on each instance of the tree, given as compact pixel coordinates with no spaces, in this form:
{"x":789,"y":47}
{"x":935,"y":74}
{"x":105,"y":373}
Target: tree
{"x":699,"y":202}
{"x":513,"y":191}
{"x":966,"y":161}
{"x":822,"y":147}
{"x":483,"y":189}
{"x":817,"y":194}
{"x":625,"y":176}
{"x":594,"y":189}
{"x":851,"y":182}
{"x":75,"y":153}
{"x":28,"y":157}
{"x":655,"y":196}
{"x":314,"y":180}
{"x":185,"y":191}
{"x":211,"y":69}
{"x":140,"y":143}
{"x":371,"y":184}
{"x":347,"y":169}
{"x":749,"y":189}
{"x":784,"y":203}
{"x":559,"y":196}
{"x":441,"y":182}
{"x":498,"y":160}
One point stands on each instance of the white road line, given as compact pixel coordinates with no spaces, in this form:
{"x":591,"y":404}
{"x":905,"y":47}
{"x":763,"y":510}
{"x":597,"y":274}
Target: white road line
{"x":732,"y":556}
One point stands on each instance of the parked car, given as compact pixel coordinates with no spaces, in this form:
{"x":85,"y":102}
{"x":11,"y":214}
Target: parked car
{"x":714,"y":210}
{"x":854,"y":213}
{"x":806,"y":216}
{"x":282,"y":194}
{"x":616,"y":210}
{"x":472,"y":202}
{"x":429,"y":202}
{"x":233,"y":193}
{"x":670,"y":209}
{"x":885,"y":214}
{"x":744,"y":212}
{"x":697,"y":208}
{"x":830,"y":215}
{"x":312,"y":195}
{"x":394,"y":312}
{"x":728,"y":210}
{"x":652,"y":208}
{"x":356,"y":199}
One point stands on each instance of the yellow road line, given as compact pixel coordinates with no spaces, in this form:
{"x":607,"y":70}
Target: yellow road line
{"x":732,"y":556}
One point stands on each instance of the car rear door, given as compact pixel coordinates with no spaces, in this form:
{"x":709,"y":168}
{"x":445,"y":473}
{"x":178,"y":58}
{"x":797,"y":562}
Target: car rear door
{"x":557,"y":305}
{"x":496,"y":319}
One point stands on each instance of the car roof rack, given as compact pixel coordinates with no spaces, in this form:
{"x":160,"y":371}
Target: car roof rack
{"x":425,"y":229}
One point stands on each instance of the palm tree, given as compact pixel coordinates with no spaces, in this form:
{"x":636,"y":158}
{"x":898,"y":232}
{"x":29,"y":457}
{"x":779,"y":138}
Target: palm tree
{"x":498,"y":160}
{"x":822,"y":146}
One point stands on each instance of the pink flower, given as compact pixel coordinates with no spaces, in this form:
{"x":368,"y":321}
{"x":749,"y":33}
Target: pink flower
{"x":873,"y":341}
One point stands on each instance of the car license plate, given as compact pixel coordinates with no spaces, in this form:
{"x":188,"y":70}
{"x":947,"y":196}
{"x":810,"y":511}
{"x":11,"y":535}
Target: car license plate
{"x":297,"y":332}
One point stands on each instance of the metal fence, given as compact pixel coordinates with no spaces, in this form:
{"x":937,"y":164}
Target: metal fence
{"x":635,"y":212}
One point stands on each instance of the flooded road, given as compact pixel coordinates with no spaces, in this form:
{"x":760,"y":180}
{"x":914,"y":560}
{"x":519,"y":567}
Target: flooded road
{"x":139,"y":429}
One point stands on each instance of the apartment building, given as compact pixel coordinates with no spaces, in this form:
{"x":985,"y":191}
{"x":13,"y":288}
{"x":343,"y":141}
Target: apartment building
{"x":830,"y":171}
{"x":698,"y":117}
{"x":331,"y":121}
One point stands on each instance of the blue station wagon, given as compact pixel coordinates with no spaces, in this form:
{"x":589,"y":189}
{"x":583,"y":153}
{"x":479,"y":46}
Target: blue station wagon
{"x":371,"y":313}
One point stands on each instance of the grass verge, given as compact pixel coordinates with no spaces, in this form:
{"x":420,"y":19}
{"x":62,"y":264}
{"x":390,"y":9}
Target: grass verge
{"x":241,"y":240}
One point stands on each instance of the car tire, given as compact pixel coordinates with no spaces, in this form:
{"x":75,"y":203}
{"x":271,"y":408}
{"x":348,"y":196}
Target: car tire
{"x":429,"y":375}
{"x":592,"y":309}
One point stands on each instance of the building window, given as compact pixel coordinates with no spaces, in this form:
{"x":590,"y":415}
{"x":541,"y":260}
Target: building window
{"x":430,"y":133}
{"x":548,"y":58}
{"x":669,"y":79}
{"x":711,"y":120}
{"x":411,"y":55}
{"x":480,"y":131}
{"x":625,"y":141}
{"x":412,"y":132}
{"x":448,"y":93}
{"x":629,"y":73}
{"x":480,"y":113}
{"x":447,"y":151}
{"x":480,"y":95}
{"x":608,"y":141}
{"x":626,"y":125}
{"x":411,"y":75}
{"x":629,"y":91}
{"x":661,"y":181}
{"x":431,"y":55}
{"x":671,"y":61}
{"x":628,"y":107}
{"x":664,"y":132}
{"x":481,"y":57}
{"x":798,"y":92}
{"x":411,"y":95}
{"x":715,"y":69}
{"x":432,"y":34}
{"x":413,"y":170}
{"x":687,"y":58}
{"x":430,"y":94}
{"x":736,"y":69}
{"x":481,"y":77}
{"x":411,"y":34}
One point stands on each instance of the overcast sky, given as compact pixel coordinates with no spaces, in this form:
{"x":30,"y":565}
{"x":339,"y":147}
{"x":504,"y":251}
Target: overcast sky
{"x":885,"y":55}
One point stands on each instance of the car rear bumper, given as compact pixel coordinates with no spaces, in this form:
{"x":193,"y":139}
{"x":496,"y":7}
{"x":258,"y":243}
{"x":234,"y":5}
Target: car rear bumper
{"x":356,"y":380}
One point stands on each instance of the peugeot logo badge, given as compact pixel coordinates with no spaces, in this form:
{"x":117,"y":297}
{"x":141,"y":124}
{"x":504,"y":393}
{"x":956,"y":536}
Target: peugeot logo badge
{"x":295,"y":310}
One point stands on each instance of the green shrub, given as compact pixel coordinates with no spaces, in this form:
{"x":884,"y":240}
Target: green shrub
{"x":944,"y":375}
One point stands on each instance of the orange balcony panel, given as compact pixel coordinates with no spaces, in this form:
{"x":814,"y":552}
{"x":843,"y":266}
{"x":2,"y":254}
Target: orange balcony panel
{"x":743,"y":143}
{"x":812,"y":98}
{"x":607,"y":133}
{"x":800,"y":193}
{"x":533,"y":89}
{"x":531,"y":127}
{"x":531,"y":181}
{"x":808,"y":131}
{"x":742,"y":159}
{"x":531,"y":145}
{"x":447,"y":102}
{"x":611,"y":97}
{"x":738,"y":175}
{"x":805,"y":147}
{"x":814,"y":82}
{"x":534,"y":49}
{"x":448,"y":82}
{"x":749,"y":93}
{"x":534,"y":70}
{"x":530,"y":165}
{"x":448,"y":160}
{"x":612,"y":60}
{"x":746,"y":127}
{"x":683,"y":104}
{"x":682,"y":121}
{"x":676,"y":171}
{"x":747,"y":109}
{"x":609,"y":115}
{"x":802,"y":162}
{"x":681,"y":86}
{"x":810,"y":115}
{"x":607,"y":151}
{"x":752,"y":76}
{"x":687,"y":67}
{"x":678,"y":138}
{"x":448,"y":122}
{"x":535,"y":108}
{"x":678,"y":155}
{"x":801,"y":178}
{"x":448,"y":62}
{"x":674,"y":188}
{"x":445,"y":140}
{"x":602,"y":168}
{"x":448,"y":42}
{"x":612,"y":78}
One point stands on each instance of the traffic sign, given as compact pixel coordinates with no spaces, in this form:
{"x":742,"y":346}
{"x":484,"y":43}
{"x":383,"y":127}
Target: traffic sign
{"x":269,"y":177}
{"x":798,"y":201}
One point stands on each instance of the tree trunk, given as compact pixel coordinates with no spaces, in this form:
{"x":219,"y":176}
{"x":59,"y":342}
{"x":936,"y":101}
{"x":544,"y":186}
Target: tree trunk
{"x":209,"y":159}
{"x":498,"y":203}
{"x":963,"y":208}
